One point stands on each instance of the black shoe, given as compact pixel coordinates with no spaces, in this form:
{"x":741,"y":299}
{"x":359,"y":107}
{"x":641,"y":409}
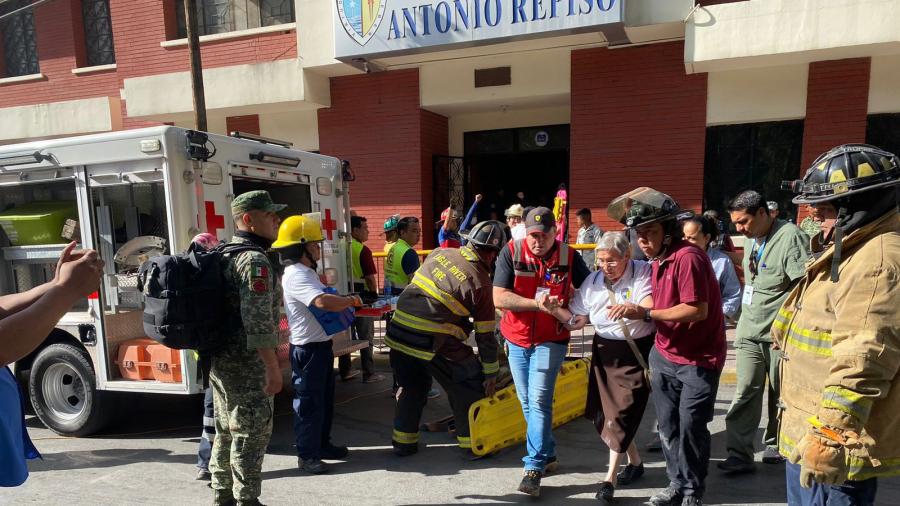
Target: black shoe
{"x":332,"y":452}
{"x":771,"y":456}
{"x":671,"y":496}
{"x":312,"y":466}
{"x":203,"y":475}
{"x":735,"y":465}
{"x":655,"y":444}
{"x":551,"y":466}
{"x":606,"y":492}
{"x":691,"y":500}
{"x":405,"y":450}
{"x":630,"y":474}
{"x":531,"y":483}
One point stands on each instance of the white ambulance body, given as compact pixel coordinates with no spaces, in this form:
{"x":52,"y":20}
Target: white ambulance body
{"x":134,"y":193}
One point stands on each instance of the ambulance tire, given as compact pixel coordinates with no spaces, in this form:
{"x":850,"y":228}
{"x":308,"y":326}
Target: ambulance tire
{"x":62,"y":387}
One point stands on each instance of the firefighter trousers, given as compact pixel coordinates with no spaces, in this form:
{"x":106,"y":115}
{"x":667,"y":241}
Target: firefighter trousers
{"x":463,"y":380}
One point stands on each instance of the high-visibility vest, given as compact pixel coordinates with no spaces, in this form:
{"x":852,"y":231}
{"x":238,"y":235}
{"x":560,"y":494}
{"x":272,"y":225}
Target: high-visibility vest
{"x":356,"y":248}
{"x":393,"y":264}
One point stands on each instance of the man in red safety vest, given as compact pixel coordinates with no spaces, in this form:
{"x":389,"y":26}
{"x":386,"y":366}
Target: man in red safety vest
{"x":533,"y":279}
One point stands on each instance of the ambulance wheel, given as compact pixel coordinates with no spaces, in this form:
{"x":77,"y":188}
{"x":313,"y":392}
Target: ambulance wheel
{"x":63,"y":391}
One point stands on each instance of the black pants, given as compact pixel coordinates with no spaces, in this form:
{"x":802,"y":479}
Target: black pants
{"x":312,"y":368}
{"x":209,"y":431}
{"x":462,"y":380}
{"x":684,"y":396}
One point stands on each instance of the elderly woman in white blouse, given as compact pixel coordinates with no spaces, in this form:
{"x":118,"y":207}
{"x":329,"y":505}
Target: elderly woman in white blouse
{"x":617,"y":390}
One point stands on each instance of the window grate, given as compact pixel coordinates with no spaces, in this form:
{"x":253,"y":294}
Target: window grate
{"x":276,"y":12}
{"x":222,"y":16}
{"x":19,"y":40}
{"x":98,"y":32}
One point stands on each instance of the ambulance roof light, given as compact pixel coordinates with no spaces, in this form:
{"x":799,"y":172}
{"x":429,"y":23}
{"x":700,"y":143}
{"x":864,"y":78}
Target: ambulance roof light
{"x":36,"y":157}
{"x":259,"y":138}
{"x":287,"y":161}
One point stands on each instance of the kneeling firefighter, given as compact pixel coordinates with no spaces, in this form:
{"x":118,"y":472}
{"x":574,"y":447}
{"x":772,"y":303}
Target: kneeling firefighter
{"x":314,"y":313}
{"x":840,"y":334}
{"x":449,"y":296}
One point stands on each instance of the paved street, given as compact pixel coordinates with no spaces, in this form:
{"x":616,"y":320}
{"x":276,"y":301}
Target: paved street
{"x":148,"y":457}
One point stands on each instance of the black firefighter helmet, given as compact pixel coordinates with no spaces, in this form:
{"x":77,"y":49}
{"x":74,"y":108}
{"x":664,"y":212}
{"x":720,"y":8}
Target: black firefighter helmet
{"x":843,"y":171}
{"x":643,"y":206}
{"x":488,"y":234}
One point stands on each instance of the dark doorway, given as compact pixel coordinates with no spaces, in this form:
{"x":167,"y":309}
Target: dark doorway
{"x":533,"y":161}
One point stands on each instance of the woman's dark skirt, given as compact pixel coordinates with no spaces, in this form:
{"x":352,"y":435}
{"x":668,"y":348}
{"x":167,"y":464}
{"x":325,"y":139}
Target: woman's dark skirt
{"x":617,"y":392}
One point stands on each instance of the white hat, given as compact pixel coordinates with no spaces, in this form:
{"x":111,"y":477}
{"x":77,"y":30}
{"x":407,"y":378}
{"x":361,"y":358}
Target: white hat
{"x":515,"y":210}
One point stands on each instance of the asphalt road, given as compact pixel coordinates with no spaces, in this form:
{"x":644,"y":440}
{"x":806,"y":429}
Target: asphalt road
{"x":148,"y":457}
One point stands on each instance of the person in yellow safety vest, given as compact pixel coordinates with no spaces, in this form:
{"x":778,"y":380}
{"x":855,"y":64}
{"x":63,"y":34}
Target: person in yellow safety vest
{"x":364,"y":272}
{"x":449,"y":296}
{"x":839,"y":333}
{"x":402,"y":260}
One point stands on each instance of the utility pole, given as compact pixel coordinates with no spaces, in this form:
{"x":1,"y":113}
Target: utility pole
{"x":193,"y":36}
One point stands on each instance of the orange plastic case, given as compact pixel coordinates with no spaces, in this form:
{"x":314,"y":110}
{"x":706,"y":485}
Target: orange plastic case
{"x":145,"y":359}
{"x":134,"y":359}
{"x":497,"y":422}
{"x":166,"y":363}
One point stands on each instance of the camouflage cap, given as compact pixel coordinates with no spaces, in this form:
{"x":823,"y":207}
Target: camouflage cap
{"x":254,"y":200}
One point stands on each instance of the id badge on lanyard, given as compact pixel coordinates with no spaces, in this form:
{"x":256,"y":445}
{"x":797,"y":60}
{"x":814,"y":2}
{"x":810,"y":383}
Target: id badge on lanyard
{"x":543,"y":290}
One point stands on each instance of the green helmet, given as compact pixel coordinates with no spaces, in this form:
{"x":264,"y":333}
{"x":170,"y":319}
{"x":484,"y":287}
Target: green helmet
{"x":643,"y":206}
{"x":844,"y":171}
{"x":391,"y":223}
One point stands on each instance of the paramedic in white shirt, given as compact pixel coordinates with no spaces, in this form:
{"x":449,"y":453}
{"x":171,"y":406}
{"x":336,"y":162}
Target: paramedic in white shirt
{"x":617,"y":391}
{"x":312,"y":363}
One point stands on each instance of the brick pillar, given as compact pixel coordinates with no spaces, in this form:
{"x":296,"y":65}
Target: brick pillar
{"x":376,"y":123}
{"x":637,"y":120}
{"x":248,"y":124}
{"x":837,"y":100}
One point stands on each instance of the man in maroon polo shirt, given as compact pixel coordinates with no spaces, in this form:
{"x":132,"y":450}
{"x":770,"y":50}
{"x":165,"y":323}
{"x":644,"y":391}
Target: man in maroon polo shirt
{"x":690,"y":339}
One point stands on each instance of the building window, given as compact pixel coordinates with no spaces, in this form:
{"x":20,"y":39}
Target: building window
{"x":757,"y":156}
{"x":20,"y":56}
{"x":98,"y":35}
{"x":221,"y":16}
{"x":883,"y":130}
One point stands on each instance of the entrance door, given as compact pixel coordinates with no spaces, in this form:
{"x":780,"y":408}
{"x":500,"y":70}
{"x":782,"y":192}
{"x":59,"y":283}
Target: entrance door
{"x":523,"y":165}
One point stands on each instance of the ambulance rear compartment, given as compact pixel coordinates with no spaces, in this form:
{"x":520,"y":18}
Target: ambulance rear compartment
{"x":34,"y":211}
{"x":130,"y":224}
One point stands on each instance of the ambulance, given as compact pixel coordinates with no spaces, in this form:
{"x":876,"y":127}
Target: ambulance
{"x":131,"y":195}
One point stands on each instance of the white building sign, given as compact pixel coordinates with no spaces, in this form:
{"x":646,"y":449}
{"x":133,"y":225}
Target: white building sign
{"x":379,"y":28}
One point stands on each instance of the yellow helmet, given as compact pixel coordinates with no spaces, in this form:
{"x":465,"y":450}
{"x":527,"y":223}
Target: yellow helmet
{"x":298,"y":230}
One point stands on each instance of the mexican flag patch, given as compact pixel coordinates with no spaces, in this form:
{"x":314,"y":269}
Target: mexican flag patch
{"x":260,"y":271}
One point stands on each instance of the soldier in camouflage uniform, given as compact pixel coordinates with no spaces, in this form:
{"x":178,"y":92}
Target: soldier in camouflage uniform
{"x":245,"y":374}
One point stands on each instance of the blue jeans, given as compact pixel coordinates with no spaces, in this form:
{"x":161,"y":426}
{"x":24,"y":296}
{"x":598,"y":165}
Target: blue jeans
{"x":851,"y":493}
{"x":534,"y":372}
{"x":312,"y":366}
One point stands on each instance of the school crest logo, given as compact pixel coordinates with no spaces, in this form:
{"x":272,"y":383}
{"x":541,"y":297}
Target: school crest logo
{"x":361,"y":18}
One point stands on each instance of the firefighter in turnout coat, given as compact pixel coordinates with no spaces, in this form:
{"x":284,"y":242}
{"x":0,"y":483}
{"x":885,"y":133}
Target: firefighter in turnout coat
{"x":449,"y":296}
{"x":840,"y":334}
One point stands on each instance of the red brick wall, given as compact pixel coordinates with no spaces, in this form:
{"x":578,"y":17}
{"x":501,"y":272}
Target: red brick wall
{"x":248,"y":124}
{"x":376,"y":123}
{"x":637,"y":120}
{"x":138,"y":28}
{"x":837,"y":99}
{"x":140,"y":25}
{"x":57,"y":35}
